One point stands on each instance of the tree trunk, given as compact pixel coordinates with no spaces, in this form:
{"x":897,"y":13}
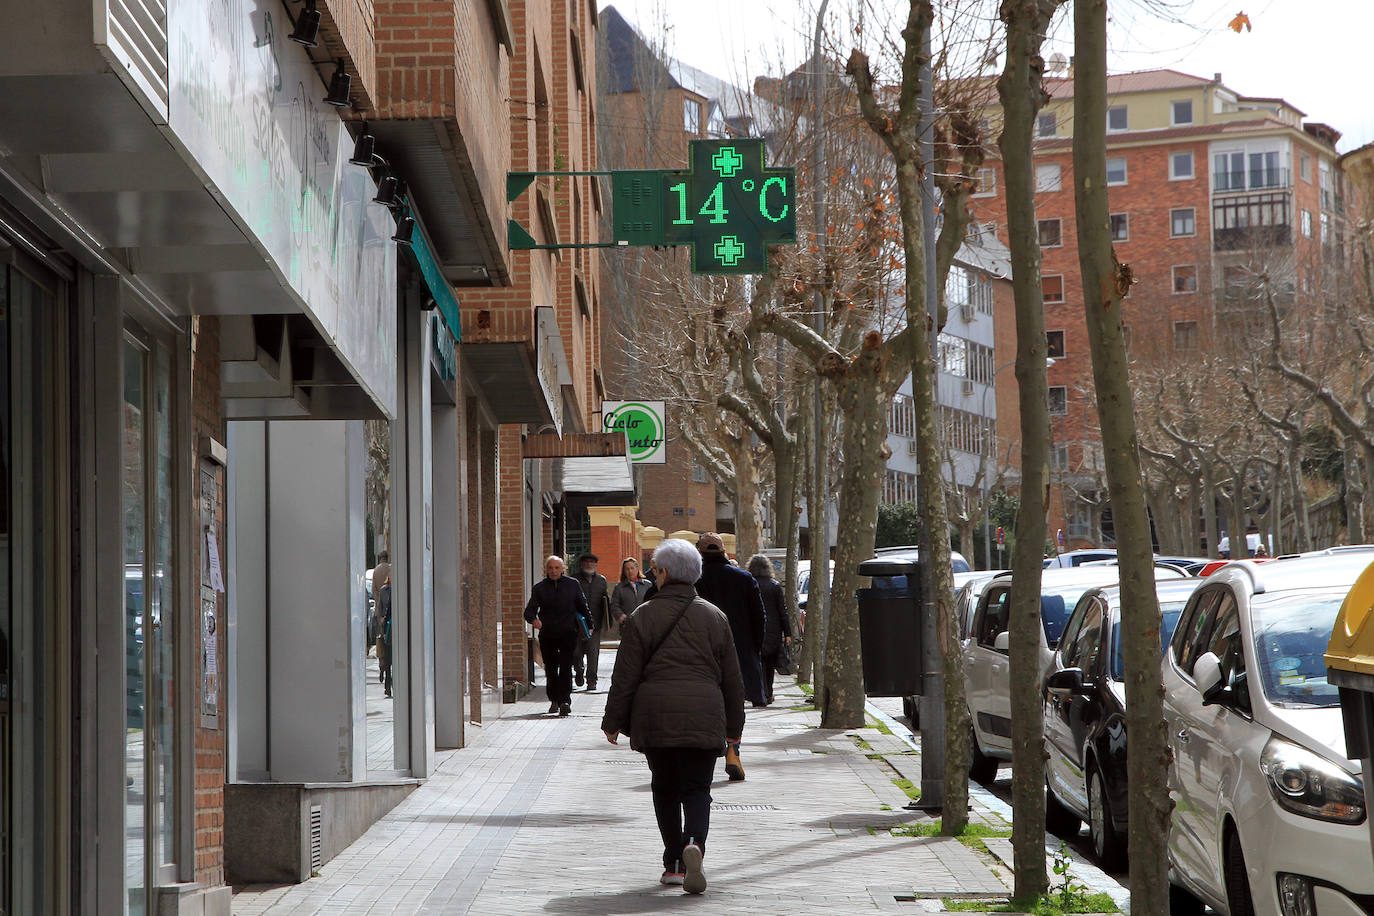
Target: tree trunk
{"x":1367,"y":516}
{"x":1022,"y":94}
{"x":748,"y":501}
{"x":1105,"y":281}
{"x":1354,"y":492}
{"x":818,"y":591}
{"x":1191,"y":542}
{"x":785,"y":527}
{"x":1302,"y":523}
{"x":864,"y":404}
{"x":1239,"y":544}
{"x":1209,"y":507}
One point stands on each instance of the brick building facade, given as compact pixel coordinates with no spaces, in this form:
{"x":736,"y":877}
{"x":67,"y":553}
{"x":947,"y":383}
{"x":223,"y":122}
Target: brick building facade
{"x":1207,"y":188}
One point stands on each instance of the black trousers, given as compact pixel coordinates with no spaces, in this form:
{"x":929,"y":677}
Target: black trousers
{"x":588,"y":656}
{"x":558,"y":658}
{"x":681,"y":786}
{"x":770,"y":668}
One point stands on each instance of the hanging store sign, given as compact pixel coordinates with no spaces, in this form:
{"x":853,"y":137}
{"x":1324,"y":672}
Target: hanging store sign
{"x":644,"y":426}
{"x":248,"y":106}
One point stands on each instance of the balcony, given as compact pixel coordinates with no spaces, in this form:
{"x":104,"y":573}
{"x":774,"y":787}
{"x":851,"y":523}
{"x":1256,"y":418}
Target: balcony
{"x":1255,"y":179}
{"x":1252,"y":221}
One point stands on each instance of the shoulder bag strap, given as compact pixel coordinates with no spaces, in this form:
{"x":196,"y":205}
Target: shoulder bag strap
{"x":649,"y":656}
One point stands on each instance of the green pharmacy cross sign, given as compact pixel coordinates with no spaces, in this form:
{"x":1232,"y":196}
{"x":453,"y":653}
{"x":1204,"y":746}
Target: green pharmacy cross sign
{"x":728,"y":206}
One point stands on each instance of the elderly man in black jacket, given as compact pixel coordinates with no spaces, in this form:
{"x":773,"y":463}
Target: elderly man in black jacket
{"x":556,"y":602}
{"x":736,"y":593}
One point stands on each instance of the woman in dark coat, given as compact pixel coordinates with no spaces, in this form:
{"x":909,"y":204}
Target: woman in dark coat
{"x":777,"y":628}
{"x":629,"y":593}
{"x":676,"y":691}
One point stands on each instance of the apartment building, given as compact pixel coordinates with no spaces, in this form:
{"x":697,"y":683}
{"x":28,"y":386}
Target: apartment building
{"x":1208,"y":189}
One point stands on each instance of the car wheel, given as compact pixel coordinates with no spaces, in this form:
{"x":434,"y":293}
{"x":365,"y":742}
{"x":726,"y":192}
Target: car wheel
{"x":1108,"y":845}
{"x":1238,"y":899}
{"x":1183,"y":903}
{"x":982,"y":768}
{"x":1059,"y":820}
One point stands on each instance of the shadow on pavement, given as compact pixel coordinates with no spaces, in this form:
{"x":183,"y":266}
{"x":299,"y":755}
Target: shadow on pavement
{"x":655,"y":899}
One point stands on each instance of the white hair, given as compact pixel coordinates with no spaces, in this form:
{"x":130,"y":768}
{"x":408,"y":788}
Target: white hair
{"x":679,"y":559}
{"x":553,"y":556}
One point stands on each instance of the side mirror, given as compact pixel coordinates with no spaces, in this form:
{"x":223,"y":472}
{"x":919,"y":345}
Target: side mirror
{"x":1065,"y":682}
{"x":1002,"y":641}
{"x":1207,"y":677}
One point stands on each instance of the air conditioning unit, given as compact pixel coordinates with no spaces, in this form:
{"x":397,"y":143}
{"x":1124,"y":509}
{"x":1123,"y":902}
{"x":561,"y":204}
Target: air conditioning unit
{"x":968,"y":386}
{"x":966,"y":312}
{"x":911,"y":447}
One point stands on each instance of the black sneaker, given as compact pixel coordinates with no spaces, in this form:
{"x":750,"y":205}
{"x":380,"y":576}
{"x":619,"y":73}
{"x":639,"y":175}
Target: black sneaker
{"x":591,"y":685}
{"x":553,"y":707}
{"x":565,"y":710}
{"x":578,"y":679}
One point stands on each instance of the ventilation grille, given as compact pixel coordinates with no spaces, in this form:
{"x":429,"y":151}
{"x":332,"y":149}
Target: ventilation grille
{"x":137,"y":38}
{"x":316,"y":837}
{"x":744,"y":807}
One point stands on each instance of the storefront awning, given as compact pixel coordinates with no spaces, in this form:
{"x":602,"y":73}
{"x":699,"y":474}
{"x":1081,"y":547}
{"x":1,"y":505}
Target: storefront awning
{"x":605,"y":481}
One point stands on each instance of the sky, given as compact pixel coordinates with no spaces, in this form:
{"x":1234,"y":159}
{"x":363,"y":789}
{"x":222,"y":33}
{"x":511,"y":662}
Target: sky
{"x":1316,"y":54}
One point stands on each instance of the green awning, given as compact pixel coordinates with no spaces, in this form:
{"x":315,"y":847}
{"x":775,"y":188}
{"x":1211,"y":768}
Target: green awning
{"x":438,"y":287}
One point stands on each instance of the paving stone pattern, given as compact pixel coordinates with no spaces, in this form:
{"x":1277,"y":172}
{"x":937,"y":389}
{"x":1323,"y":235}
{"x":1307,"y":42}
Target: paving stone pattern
{"x":542,"y":815}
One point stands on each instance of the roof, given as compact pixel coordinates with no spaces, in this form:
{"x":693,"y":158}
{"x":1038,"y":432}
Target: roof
{"x":1130,"y":138}
{"x":629,"y":59}
{"x":1061,"y":87}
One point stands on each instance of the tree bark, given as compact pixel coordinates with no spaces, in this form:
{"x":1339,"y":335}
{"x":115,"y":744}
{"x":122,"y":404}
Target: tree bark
{"x":818,"y":591}
{"x":748,"y":502}
{"x":1105,"y":281}
{"x":1239,"y":543}
{"x":1209,"y":506}
{"x":1022,"y":95}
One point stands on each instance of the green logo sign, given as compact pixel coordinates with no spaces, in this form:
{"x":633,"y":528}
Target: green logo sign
{"x":643,"y":426}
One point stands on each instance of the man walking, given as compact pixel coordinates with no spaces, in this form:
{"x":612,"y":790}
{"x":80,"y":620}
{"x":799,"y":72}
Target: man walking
{"x":588,"y":654}
{"x":556,"y":602}
{"x":736,"y":593}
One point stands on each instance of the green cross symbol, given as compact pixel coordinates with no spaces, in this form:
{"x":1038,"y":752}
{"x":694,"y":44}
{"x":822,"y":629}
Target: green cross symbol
{"x":728,"y":251}
{"x":727,"y":162}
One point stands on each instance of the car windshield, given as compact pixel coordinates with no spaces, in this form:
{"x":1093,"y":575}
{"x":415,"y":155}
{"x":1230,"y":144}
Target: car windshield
{"x":1169,"y":612}
{"x":1291,"y":634}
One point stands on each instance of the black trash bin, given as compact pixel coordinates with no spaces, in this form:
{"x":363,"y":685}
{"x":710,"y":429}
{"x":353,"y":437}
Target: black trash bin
{"x":890,"y":627}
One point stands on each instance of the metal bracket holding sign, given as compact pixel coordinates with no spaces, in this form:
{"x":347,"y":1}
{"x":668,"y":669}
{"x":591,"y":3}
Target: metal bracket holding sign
{"x":729,"y":206}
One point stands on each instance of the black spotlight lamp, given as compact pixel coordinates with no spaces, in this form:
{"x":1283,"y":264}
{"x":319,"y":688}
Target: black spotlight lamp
{"x":388,"y":191}
{"x":364,"y":149}
{"x":307,"y":30}
{"x":396,"y":202}
{"x":405,"y":228}
{"x":339,"y":85}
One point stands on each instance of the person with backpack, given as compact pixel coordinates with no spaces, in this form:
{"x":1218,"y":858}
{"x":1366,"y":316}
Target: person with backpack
{"x":676,"y":691}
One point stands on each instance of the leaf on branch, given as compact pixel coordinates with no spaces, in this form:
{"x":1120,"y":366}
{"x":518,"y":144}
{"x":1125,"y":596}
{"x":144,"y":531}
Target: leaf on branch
{"x":1242,"y":21}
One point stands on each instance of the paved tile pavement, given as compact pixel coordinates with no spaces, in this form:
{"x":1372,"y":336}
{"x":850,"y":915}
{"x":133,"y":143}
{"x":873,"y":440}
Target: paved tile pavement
{"x":541,"y":815}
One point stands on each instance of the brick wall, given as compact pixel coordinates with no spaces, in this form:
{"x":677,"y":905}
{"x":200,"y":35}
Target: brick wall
{"x":210,"y":763}
{"x":347,"y":29}
{"x":515,"y":552}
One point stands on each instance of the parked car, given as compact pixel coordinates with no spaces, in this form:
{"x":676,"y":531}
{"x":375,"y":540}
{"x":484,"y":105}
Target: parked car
{"x":987,"y":676}
{"x":1085,"y":717}
{"x":1269,"y":813}
{"x":965,"y":601}
{"x":1079,"y":557}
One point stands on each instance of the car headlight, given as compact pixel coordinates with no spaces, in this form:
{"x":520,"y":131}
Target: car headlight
{"x":1309,"y":784}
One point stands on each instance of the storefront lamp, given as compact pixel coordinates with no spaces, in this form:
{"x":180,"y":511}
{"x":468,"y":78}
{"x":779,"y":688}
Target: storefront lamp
{"x":405,"y":228}
{"x":307,"y":30}
{"x":339,"y":85}
{"x":388,"y":192}
{"x":364,"y":150}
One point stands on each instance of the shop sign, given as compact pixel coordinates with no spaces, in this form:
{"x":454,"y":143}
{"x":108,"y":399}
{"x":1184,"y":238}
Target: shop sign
{"x":644,"y":426}
{"x":247,"y":104}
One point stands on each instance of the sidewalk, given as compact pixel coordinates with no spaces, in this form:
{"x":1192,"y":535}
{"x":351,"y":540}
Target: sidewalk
{"x":541,"y":815}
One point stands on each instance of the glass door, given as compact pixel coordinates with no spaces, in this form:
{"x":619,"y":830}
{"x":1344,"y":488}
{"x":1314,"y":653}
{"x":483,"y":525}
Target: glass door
{"x":34,"y":671}
{"x":149,"y":623}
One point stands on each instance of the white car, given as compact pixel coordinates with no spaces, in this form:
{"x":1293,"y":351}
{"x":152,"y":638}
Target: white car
{"x":1269,"y":814}
{"x":987,"y":671}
